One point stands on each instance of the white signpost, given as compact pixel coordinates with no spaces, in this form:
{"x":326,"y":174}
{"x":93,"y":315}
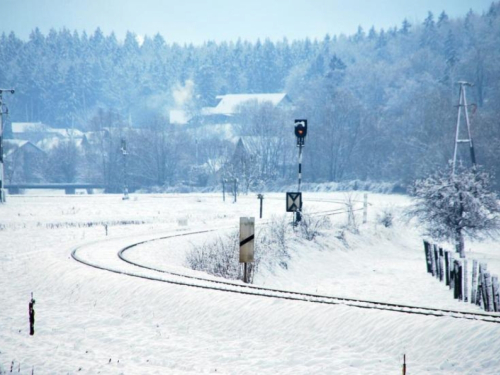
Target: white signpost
{"x":247,"y":241}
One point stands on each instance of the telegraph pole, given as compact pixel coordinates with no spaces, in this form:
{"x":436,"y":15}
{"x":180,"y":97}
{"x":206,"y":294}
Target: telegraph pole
{"x":3,"y":110}
{"x":462,"y":103}
{"x":124,"y":153}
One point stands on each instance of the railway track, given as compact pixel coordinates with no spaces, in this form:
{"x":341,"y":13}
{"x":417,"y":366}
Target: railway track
{"x":161,"y":275}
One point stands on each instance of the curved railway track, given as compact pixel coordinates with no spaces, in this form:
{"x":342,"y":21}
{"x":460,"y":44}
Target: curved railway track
{"x":165,"y":276}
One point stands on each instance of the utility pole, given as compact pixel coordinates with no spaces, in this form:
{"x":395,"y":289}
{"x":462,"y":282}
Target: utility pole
{"x":3,"y":110}
{"x":462,"y":103}
{"x":124,"y":153}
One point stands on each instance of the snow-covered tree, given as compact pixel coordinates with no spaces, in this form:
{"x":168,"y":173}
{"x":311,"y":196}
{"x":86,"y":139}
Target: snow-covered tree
{"x":453,"y":206}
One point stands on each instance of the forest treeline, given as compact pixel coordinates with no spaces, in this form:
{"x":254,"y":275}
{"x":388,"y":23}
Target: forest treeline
{"x":381,"y":104}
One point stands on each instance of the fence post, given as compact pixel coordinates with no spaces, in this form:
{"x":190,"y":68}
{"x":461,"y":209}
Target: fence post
{"x":458,"y":283}
{"x":31,"y":311}
{"x":484,"y":287}
{"x":466,"y":282}
{"x":460,"y":280}
{"x":452,"y":272}
{"x":496,"y":297}
{"x":489,"y":291}
{"x":479,"y":293}
{"x":474,"y":282}
{"x":441,"y":268}
{"x":447,"y":266}
{"x":433,"y":258}
{"x":427,"y":246}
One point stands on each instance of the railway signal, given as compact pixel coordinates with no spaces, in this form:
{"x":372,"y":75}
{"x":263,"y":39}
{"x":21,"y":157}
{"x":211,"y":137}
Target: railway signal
{"x":300,"y":133}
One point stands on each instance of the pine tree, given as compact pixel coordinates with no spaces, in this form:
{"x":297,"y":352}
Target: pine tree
{"x":405,"y":27}
{"x":443,"y":19}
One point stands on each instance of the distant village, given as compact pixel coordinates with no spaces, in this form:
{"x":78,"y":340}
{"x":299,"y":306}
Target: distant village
{"x":27,"y":144}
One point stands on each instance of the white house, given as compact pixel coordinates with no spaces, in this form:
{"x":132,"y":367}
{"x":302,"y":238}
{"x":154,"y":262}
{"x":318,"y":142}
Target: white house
{"x":227,"y":107}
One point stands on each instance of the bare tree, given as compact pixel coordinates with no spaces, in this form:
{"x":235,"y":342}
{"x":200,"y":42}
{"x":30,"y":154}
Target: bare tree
{"x":456,"y":205}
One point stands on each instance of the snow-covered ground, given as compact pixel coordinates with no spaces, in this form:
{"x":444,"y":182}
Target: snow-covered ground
{"x":93,"y":321}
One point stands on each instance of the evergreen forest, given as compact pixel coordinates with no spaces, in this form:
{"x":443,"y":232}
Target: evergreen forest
{"x":381,"y":104}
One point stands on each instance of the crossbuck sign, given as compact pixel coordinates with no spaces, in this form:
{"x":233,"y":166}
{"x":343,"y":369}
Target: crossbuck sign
{"x":293,"y":202}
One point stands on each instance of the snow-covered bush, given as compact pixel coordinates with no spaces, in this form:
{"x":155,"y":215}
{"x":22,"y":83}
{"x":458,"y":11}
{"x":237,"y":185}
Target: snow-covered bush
{"x":452,"y":205}
{"x":312,"y":226}
{"x":352,"y":223}
{"x":274,"y":242}
{"x":386,"y":217}
{"x":219,"y":257}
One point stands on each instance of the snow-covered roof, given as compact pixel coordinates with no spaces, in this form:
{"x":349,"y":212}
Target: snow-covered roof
{"x":48,"y":143}
{"x":66,"y":132}
{"x":229,"y":103}
{"x":16,"y":144}
{"x":23,"y":127}
{"x":179,"y":116}
{"x":39,"y":127}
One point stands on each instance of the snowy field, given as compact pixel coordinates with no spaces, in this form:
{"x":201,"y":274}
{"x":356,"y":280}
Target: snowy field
{"x":93,"y":321}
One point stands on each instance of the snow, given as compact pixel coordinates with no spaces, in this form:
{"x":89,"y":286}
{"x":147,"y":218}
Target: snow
{"x":229,"y":103}
{"x":23,"y":127}
{"x":93,"y":321}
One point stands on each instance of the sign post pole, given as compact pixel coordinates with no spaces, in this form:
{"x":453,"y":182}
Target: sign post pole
{"x":261,"y":197}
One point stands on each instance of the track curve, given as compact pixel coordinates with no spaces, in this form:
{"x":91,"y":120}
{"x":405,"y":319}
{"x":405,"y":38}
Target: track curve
{"x":241,"y":288}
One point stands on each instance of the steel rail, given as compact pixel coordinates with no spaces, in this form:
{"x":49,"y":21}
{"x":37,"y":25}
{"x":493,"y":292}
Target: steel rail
{"x":226,"y":286}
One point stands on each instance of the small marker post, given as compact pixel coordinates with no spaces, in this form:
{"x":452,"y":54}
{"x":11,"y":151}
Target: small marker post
{"x":261,"y":197}
{"x":404,"y":364}
{"x":32,"y":315}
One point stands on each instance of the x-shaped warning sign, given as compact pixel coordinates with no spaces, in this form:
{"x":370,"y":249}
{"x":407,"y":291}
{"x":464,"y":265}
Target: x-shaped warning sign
{"x":293,"y":202}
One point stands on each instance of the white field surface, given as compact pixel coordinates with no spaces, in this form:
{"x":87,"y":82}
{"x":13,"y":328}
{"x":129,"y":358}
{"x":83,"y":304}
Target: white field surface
{"x":94,"y":321}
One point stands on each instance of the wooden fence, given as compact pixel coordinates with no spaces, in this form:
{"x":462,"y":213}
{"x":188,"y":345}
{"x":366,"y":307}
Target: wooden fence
{"x":482,"y":290}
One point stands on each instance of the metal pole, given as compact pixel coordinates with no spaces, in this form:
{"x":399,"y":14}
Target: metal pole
{"x":124,"y":153}
{"x":261,"y":197}
{"x":457,"y":129}
{"x":365,"y":208}
{"x":261,"y":206}
{"x":298,"y":214}
{"x":235,"y":190}
{"x":2,"y":174}
{"x":471,"y":145}
{"x":223,"y":189}
{"x":300,"y":166}
{"x":462,"y":102}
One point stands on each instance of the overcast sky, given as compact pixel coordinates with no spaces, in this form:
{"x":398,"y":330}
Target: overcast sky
{"x":195,"y":21}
